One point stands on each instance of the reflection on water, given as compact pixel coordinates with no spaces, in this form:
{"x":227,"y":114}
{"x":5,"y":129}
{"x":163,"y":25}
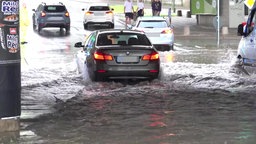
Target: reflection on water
{"x":156,"y":112}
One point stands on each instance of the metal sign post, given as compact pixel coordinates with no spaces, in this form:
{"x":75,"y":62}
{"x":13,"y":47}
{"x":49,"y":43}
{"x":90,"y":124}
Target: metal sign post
{"x":10,"y":66}
{"x":218,"y":21}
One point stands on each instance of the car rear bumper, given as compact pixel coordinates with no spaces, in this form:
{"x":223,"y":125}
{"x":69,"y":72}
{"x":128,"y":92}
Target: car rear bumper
{"x":163,"y":47}
{"x":54,"y":24}
{"x":98,"y":23}
{"x":129,"y":75}
{"x":150,"y":71}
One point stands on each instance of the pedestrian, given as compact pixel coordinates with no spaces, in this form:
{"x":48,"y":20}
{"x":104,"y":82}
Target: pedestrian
{"x":128,"y":11}
{"x":140,"y":8}
{"x":152,"y":7}
{"x":156,"y":7}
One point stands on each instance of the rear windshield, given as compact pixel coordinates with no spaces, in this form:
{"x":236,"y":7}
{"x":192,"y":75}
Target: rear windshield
{"x":153,"y":24}
{"x":99,"y":8}
{"x":55,"y":8}
{"x":122,"y":39}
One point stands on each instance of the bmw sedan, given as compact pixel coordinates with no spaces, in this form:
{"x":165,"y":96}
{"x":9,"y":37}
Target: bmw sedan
{"x":118,"y":54}
{"x":158,"y":29}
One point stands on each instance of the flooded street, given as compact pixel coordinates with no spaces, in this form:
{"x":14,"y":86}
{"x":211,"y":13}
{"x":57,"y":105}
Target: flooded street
{"x":201,"y":98}
{"x":157,"y":112}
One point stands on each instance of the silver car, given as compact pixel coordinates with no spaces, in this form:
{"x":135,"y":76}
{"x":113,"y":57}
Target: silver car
{"x":158,"y":29}
{"x":246,"y":53}
{"x":98,"y":14}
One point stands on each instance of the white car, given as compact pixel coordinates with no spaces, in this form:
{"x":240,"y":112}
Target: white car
{"x":246,"y":53}
{"x":158,"y":29}
{"x":98,"y":14}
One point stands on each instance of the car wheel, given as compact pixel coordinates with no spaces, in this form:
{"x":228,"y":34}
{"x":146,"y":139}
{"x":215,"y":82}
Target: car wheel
{"x":34,"y":25}
{"x":85,"y":26}
{"x":93,"y":76}
{"x":160,"y":74}
{"x":112,"y":25}
{"x":171,"y":47}
{"x":240,"y":65}
{"x":67,"y":29}
{"x":239,"y":61}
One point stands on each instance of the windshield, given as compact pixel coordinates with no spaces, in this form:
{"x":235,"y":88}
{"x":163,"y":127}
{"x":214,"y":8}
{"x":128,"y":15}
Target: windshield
{"x":99,"y":8}
{"x":153,"y":24}
{"x":54,"y":8}
{"x":122,"y":39}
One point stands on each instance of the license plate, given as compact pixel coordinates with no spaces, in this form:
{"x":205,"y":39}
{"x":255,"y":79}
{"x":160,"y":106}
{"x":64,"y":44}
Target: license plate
{"x":153,"y":34}
{"x":98,"y":14}
{"x":127,"y":59}
{"x":55,"y":18}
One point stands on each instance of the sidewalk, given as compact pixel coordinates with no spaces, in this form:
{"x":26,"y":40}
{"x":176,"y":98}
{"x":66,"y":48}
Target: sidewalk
{"x":188,"y":28}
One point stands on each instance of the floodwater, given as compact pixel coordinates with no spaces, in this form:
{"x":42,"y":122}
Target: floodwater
{"x":201,"y":98}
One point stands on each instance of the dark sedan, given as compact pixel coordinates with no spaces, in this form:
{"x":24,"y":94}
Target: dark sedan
{"x":118,"y":54}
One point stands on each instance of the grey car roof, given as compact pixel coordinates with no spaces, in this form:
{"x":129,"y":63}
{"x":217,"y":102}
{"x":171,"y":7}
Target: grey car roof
{"x":119,"y":30}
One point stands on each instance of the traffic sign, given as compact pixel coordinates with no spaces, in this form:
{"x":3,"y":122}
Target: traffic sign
{"x":249,"y":3}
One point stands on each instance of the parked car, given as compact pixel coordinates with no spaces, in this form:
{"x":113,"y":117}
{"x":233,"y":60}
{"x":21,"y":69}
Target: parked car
{"x":158,"y":29}
{"x":246,"y":53}
{"x":98,"y":14}
{"x":51,"y":15}
{"x":118,"y":54}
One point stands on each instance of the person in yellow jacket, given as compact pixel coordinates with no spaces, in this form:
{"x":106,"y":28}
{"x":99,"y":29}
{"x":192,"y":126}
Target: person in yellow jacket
{"x":23,"y":24}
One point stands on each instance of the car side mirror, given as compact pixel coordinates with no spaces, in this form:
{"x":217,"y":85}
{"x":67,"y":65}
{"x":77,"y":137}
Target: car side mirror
{"x":240,"y":30}
{"x":79,"y":44}
{"x":112,"y":9}
{"x":23,"y":42}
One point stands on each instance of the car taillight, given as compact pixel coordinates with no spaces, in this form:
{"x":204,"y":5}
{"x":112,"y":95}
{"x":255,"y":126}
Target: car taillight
{"x":88,"y":13}
{"x":102,"y":56}
{"x":152,"y":56}
{"x":109,"y":13}
{"x":67,"y":14}
{"x":43,"y":14}
{"x":167,"y":31}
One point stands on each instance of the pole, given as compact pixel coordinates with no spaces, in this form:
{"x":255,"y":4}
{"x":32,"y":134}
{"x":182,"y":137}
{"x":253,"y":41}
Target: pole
{"x":10,"y":66}
{"x":170,"y":15}
{"x":218,"y":19}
